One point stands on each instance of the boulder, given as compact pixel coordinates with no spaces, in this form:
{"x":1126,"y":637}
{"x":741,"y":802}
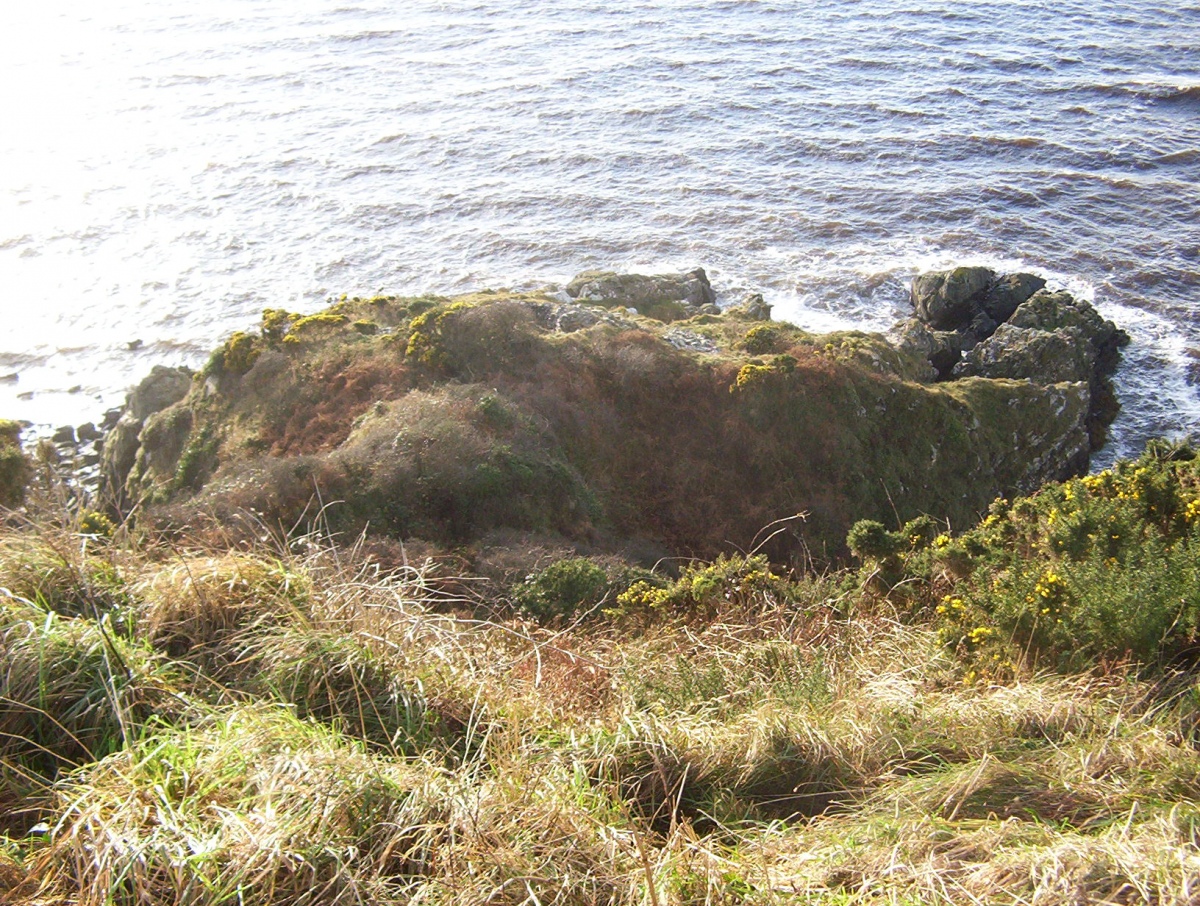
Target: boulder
{"x":949,"y":300}
{"x":641,"y":291}
{"x":162,"y":387}
{"x":971,"y":322}
{"x":160,"y":445}
{"x":1008,"y":292}
{"x":754,"y":308}
{"x":943,"y":349}
{"x":570,"y":317}
{"x":1051,"y":311}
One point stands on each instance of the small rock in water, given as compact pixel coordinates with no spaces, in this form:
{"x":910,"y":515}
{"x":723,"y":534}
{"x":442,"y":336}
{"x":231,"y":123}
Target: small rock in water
{"x":10,"y":378}
{"x":111,"y":417}
{"x":134,"y":345}
{"x":87,"y":432}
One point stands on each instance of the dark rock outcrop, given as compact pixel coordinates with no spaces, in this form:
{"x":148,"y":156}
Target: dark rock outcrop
{"x":949,"y":300}
{"x":973,"y":322}
{"x":1027,"y":353}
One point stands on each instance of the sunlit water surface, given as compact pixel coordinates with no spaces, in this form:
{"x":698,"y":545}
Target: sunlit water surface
{"x":168,"y":169}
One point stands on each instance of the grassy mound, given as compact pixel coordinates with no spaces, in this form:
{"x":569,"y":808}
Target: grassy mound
{"x":451,"y":420}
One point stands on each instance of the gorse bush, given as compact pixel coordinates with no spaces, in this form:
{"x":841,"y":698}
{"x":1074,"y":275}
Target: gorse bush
{"x":1099,"y":568}
{"x":728,"y":583}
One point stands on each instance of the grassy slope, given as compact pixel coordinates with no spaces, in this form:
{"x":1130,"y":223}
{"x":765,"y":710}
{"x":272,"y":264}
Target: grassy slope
{"x":451,"y":419}
{"x":266,"y":725}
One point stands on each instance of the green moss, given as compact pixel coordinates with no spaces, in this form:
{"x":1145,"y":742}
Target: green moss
{"x":197,"y":461}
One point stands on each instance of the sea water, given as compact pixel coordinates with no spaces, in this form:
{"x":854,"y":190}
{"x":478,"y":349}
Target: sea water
{"x":169,"y":169}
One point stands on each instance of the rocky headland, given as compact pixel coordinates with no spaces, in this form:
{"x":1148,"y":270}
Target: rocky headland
{"x":627,"y":412}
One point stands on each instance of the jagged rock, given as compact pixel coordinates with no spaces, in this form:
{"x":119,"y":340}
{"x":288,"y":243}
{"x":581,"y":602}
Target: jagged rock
{"x":570,"y":317}
{"x":642,"y":291}
{"x":120,"y":453}
{"x":949,"y":300}
{"x":64,"y":435}
{"x":1050,"y":311}
{"x":1027,"y":353}
{"x":162,"y":387}
{"x":941,"y":348}
{"x":753,"y":308}
{"x":160,"y":444}
{"x":689,"y":341}
{"x":973,"y":299}
{"x":1010,"y":326}
{"x":87,"y":432}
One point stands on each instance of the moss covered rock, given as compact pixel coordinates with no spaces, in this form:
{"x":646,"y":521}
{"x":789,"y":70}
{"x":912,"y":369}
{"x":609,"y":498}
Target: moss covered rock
{"x":458,"y":418}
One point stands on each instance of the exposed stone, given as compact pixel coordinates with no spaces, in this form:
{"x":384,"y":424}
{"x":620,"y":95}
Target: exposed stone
{"x":64,"y":435}
{"x":1008,"y":292}
{"x":160,"y":444}
{"x":642,"y":291}
{"x":948,"y":300}
{"x":1010,"y":326}
{"x":1050,"y":311}
{"x":941,"y":348}
{"x":753,"y":308}
{"x":1026,"y":353}
{"x":689,"y":341}
{"x":570,"y":317}
{"x":162,"y":387}
{"x":87,"y":432}
{"x":120,"y":453}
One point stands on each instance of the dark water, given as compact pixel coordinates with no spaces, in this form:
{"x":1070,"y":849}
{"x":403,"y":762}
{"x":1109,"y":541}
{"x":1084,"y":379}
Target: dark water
{"x":169,"y":169}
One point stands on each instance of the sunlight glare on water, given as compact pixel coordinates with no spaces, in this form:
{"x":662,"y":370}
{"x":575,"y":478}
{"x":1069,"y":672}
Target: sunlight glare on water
{"x":170,"y":169}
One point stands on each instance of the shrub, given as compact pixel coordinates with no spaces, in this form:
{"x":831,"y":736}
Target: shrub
{"x":15,"y":468}
{"x":869,"y":540}
{"x":563,"y":588}
{"x":1100,"y":568}
{"x":729,"y":583}
{"x":762,"y":339}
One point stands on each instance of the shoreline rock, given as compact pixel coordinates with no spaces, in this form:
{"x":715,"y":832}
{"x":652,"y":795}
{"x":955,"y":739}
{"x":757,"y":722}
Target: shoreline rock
{"x":974,"y":322}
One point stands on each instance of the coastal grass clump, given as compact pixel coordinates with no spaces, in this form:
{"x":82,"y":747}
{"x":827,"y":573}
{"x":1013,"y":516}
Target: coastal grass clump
{"x":254,"y":805}
{"x":75,"y":689}
{"x":71,"y":573}
{"x":194,"y":606}
{"x":319,"y":718}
